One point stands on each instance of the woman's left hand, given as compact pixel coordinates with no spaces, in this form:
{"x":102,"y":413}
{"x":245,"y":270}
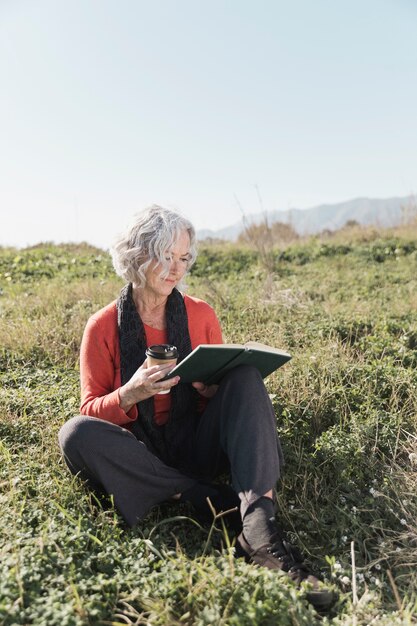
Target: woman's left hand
{"x":207,"y":391}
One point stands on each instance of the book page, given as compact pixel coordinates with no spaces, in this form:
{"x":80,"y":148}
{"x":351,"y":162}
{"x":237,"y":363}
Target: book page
{"x":255,"y":345}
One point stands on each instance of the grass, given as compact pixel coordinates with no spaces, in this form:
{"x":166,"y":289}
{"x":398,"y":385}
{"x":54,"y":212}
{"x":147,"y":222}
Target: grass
{"x":346,"y":408}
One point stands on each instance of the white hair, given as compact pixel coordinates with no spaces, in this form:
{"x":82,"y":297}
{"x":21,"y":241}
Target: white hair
{"x":150,"y":236}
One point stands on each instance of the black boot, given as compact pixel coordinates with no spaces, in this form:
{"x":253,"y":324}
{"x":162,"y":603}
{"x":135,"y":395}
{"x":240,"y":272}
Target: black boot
{"x":279,"y":554}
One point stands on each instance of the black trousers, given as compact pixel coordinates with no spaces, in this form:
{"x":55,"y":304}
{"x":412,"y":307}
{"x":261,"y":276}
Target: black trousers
{"x":237,"y":430}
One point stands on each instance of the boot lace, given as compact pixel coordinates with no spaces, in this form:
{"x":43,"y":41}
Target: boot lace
{"x":290,"y":557}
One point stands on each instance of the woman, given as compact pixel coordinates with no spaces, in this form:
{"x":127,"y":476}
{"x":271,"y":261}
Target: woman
{"x":144,"y":448}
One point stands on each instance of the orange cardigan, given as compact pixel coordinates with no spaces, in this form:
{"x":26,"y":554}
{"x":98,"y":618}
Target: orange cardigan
{"x":100,"y":359}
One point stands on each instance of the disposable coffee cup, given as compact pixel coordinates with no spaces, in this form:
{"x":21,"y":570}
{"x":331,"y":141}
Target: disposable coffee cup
{"x":162,"y":354}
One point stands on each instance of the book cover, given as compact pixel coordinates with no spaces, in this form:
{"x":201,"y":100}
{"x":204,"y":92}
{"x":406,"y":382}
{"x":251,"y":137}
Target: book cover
{"x":208,"y":363}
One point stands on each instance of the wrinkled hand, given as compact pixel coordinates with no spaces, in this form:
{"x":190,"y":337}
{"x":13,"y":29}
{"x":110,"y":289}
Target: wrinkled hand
{"x":207,"y":391}
{"x":145,"y":383}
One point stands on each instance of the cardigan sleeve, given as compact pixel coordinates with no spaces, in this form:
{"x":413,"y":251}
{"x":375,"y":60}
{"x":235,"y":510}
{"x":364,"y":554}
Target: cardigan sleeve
{"x":100,"y":377}
{"x":203,"y":322}
{"x":215,"y":331}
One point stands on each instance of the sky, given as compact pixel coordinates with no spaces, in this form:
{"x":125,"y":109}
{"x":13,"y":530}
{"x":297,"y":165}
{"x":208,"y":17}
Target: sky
{"x":215,"y":108}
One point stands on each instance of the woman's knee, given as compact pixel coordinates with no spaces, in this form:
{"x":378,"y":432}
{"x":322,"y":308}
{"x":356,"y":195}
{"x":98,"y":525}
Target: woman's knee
{"x":77,"y":432}
{"x":244,"y":375}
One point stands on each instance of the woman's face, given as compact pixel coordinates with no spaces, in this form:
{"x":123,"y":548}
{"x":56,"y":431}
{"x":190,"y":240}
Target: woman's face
{"x":178,"y":256}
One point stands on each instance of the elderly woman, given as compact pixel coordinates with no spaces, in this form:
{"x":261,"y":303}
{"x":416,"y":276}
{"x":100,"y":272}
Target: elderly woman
{"x":144,"y":447}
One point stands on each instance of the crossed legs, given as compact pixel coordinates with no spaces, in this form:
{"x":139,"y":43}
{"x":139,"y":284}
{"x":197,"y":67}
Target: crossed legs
{"x":237,"y":427}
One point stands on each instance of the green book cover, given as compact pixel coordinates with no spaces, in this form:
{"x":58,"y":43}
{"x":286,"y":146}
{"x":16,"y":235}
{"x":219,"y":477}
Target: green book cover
{"x":208,"y":363}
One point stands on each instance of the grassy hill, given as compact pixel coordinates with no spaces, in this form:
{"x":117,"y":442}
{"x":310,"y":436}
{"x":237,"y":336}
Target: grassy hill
{"x":346,"y":409}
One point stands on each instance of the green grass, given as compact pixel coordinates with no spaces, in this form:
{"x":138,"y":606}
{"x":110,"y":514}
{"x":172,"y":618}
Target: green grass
{"x":346,"y":409}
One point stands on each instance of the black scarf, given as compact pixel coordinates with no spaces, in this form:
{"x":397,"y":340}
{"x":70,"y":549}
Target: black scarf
{"x":169,"y":441}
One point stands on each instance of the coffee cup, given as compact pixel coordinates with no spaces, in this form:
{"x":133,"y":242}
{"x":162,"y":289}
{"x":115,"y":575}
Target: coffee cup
{"x":162,"y":354}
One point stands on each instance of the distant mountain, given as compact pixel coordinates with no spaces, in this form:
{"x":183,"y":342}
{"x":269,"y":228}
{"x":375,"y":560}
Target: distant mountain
{"x":366,"y":211}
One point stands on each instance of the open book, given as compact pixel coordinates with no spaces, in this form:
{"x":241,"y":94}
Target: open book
{"x":208,"y":363}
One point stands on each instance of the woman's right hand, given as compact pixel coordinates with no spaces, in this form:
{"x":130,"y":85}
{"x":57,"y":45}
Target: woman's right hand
{"x":145,"y":383}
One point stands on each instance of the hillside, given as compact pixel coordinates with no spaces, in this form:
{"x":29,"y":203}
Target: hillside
{"x":346,"y":409}
{"x":381,"y":213}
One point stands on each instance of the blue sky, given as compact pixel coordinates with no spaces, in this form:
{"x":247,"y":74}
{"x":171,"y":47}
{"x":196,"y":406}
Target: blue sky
{"x":108,"y":106}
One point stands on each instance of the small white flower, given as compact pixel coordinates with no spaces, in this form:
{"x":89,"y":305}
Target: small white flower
{"x":344,"y":538}
{"x":403,"y":522}
{"x":337,"y":566}
{"x":345,"y":580}
{"x":354,"y":510}
{"x":378,"y":565}
{"x":412,"y":457}
{"x":360,"y":577}
{"x":398,"y":549}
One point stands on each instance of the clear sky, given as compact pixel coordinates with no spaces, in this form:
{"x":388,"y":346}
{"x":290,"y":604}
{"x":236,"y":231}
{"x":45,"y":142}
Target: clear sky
{"x":107,"y":106}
